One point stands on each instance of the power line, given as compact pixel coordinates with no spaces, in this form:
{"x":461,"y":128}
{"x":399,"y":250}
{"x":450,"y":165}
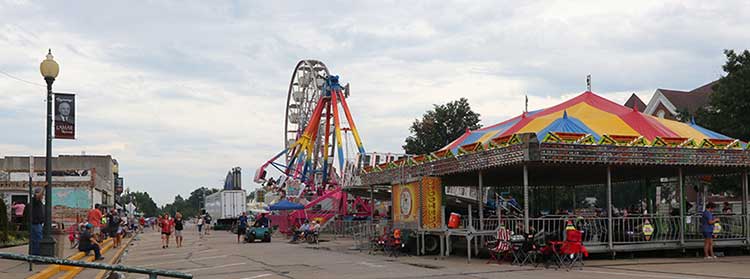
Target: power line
{"x":21,"y":80}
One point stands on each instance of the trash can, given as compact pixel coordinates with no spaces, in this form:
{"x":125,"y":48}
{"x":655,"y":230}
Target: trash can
{"x":61,"y":239}
{"x":454,"y":221}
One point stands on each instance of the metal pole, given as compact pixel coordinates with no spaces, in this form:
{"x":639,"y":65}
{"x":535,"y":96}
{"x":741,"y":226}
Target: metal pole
{"x":681,"y":185}
{"x":372,"y":207}
{"x":744,"y":207}
{"x":443,"y":242}
{"x":468,"y":235}
{"x":609,"y":209}
{"x":31,"y":199}
{"x":480,"y":195}
{"x":525,"y":199}
{"x":47,"y":245}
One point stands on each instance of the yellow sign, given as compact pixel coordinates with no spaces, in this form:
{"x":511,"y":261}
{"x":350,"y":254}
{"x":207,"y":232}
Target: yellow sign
{"x":405,"y":202}
{"x":432,"y":199}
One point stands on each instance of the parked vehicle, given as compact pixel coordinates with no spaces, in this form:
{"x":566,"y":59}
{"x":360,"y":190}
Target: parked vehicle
{"x":225,"y":207}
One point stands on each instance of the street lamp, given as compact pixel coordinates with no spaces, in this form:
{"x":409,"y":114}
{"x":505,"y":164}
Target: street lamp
{"x":49,"y":70}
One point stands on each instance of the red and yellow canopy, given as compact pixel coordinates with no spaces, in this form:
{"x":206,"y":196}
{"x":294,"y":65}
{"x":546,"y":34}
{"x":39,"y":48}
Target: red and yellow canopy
{"x":597,"y":118}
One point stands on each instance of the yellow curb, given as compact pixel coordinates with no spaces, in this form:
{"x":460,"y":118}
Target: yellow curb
{"x":75,"y":270}
{"x":52,"y":270}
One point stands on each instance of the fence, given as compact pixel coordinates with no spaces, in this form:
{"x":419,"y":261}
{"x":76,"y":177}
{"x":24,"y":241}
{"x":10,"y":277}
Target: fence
{"x":625,"y":230}
{"x":362,"y":231}
{"x":152,"y":273}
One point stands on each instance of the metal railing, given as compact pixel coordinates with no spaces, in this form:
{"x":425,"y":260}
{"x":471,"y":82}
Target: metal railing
{"x":625,"y":230}
{"x":152,"y":273}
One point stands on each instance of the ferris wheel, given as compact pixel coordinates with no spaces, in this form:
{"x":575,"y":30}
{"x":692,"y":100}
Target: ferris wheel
{"x":313,"y":127}
{"x":305,"y":89}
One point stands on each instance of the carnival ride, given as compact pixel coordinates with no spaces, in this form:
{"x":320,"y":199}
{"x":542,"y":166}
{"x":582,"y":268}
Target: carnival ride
{"x":316,"y":135}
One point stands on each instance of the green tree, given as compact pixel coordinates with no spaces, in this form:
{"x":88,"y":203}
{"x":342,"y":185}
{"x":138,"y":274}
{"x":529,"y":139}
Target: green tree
{"x":727,"y":112}
{"x":441,"y":125}
{"x":190,"y":206}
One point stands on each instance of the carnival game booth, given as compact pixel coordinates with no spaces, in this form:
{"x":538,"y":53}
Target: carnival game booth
{"x":584,"y":145}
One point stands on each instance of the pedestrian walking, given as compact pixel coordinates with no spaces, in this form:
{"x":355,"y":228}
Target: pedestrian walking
{"x":114,"y":227}
{"x":37,"y":220}
{"x":178,"y":226}
{"x":707,"y":228}
{"x":166,"y":230}
{"x":207,"y":222}
{"x":200,"y":226}
{"x":241,"y":225}
{"x":94,"y":217}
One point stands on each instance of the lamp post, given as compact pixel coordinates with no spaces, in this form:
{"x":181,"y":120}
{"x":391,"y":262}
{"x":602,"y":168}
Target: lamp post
{"x":49,"y":70}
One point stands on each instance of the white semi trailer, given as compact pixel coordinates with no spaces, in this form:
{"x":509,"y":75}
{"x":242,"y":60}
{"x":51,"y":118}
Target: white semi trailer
{"x":225,"y":207}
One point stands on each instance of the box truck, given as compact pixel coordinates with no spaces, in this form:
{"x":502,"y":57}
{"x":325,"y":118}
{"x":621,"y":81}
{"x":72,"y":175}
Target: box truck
{"x":225,"y":207}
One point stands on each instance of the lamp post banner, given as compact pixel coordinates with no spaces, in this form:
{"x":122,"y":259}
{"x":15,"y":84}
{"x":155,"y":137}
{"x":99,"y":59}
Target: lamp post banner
{"x":65,"y":124}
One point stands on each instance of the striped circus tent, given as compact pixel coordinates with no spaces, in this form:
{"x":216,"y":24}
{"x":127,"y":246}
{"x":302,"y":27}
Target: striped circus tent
{"x":591,"y":118}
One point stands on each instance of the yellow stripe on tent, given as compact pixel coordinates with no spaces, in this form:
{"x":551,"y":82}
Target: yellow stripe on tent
{"x":682,"y":129}
{"x":488,"y":135}
{"x":601,"y":122}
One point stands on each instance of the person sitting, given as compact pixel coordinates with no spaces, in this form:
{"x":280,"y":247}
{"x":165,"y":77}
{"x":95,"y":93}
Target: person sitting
{"x":261,"y":222}
{"x":300,"y":232}
{"x":87,"y":242}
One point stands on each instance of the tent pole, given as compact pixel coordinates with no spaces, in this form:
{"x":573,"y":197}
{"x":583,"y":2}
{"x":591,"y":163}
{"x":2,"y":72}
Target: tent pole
{"x":744,"y":207}
{"x":609,"y":209}
{"x":680,"y":191}
{"x":480,"y":201}
{"x":525,"y":199}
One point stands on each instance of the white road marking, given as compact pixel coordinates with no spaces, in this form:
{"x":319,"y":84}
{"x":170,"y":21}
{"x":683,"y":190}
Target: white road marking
{"x":640,"y":274}
{"x":211,"y":267}
{"x":186,"y":260}
{"x":370,"y":264}
{"x":258,"y":276}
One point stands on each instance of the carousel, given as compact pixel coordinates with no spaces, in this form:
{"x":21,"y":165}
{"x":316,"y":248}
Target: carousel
{"x":629,"y":181}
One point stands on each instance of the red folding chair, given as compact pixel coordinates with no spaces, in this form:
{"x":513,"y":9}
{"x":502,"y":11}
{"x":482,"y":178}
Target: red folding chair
{"x":572,"y":250}
{"x":501,"y":247}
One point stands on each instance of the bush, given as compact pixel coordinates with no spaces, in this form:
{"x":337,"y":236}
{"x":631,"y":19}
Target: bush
{"x":4,"y":222}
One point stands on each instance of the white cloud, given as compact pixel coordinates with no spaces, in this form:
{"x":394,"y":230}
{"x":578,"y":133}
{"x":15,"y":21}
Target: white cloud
{"x":181,"y":92}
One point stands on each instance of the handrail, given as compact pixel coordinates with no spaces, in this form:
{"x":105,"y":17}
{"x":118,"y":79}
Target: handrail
{"x":153,"y":273}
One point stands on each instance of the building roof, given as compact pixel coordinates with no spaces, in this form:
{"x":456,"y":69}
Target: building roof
{"x":635,"y":102}
{"x":689,"y":100}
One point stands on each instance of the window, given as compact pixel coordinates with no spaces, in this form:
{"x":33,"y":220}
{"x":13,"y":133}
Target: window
{"x":660,"y":113}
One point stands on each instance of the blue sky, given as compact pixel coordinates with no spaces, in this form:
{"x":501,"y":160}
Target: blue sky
{"x":181,"y":91}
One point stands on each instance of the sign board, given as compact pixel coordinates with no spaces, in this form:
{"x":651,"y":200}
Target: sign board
{"x":405,"y":203}
{"x":65,"y":123}
{"x":432,"y":200}
{"x":119,"y":185}
{"x":423,"y":198}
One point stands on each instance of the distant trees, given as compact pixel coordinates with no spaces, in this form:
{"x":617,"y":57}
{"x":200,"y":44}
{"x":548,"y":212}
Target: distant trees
{"x":190,"y":206}
{"x":441,"y":125}
{"x":729,"y":107}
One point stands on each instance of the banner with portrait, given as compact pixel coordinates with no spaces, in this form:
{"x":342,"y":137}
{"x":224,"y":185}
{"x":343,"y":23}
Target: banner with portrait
{"x":432,"y":201}
{"x":65,"y":112}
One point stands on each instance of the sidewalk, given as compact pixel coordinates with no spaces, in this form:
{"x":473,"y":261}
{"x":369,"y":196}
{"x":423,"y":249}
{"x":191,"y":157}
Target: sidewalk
{"x":18,"y":269}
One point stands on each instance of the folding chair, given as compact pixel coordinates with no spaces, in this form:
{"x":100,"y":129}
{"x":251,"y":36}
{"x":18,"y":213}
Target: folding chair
{"x":501,"y":246}
{"x":518,"y":249}
{"x":572,"y":250}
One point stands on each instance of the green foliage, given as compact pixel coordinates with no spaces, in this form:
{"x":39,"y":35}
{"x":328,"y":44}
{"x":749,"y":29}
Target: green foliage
{"x":190,"y":206}
{"x":4,"y":222}
{"x":440,"y":126}
{"x":728,"y":108}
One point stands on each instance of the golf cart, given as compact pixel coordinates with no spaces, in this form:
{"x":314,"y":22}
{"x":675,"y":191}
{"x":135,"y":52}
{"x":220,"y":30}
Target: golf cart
{"x":262,"y":233}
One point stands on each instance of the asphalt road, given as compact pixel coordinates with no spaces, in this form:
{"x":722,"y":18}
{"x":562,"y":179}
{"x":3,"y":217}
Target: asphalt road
{"x":220,"y":256}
